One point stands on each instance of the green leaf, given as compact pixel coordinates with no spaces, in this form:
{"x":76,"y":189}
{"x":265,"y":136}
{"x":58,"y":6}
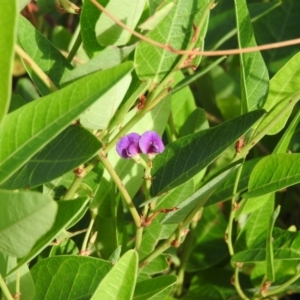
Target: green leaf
{"x":68,"y":213}
{"x":283,"y":145}
{"x":68,"y":150}
{"x":147,"y":289}
{"x":108,"y":32}
{"x":23,"y":278}
{"x":270,"y":273}
{"x":88,"y":19}
{"x":273,"y":173}
{"x":157,"y":17}
{"x":283,"y":86}
{"x":189,"y":155}
{"x":212,"y":284}
{"x":98,"y":115}
{"x":256,"y":224}
{"x":157,"y":231}
{"x":286,"y":246}
{"x":8,"y":23}
{"x":197,"y":199}
{"x":107,"y":58}
{"x":225,"y":190}
{"x":68,"y":277}
{"x":222,"y":24}
{"x":175,"y":30}
{"x":119,"y":283}
{"x":254,"y":74}
{"x":26,"y":89}
{"x":49,"y":59}
{"x":36,"y":123}
{"x":269,"y":30}
{"x":25,"y":218}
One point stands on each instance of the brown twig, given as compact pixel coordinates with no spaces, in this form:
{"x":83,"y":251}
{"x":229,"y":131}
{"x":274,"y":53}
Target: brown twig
{"x":196,"y":52}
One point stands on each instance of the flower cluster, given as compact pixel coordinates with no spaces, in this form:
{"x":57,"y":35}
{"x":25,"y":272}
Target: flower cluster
{"x":132,"y":144}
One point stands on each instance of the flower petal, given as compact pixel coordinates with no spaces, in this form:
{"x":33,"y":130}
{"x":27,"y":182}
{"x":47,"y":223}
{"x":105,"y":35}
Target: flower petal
{"x":151,"y":143}
{"x":128,"y":145}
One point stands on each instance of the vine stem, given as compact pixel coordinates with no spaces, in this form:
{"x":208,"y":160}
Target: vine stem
{"x":89,"y":230}
{"x":37,"y":70}
{"x":282,"y":286}
{"x":5,"y":289}
{"x":194,"y":52}
{"x":237,"y":284}
{"x":75,"y":47}
{"x":78,"y":180}
{"x":135,"y":215}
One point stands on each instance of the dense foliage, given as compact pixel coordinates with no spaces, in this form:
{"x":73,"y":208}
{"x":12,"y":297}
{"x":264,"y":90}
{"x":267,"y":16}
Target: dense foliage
{"x":130,"y":169}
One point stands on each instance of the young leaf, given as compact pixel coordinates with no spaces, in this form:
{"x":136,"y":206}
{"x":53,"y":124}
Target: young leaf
{"x":36,"y":123}
{"x":68,"y":277}
{"x":119,"y":283}
{"x":254,"y":74}
{"x":73,"y":147}
{"x":49,"y":59}
{"x":175,"y":30}
{"x":108,"y":32}
{"x":8,"y":22}
{"x":283,"y":86}
{"x":273,"y":173}
{"x":270,"y":273}
{"x":184,"y":158}
{"x":25,"y":218}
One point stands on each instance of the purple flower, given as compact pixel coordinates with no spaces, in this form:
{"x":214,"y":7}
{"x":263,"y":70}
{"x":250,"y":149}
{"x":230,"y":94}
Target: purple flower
{"x":128,"y":146}
{"x":151,"y":143}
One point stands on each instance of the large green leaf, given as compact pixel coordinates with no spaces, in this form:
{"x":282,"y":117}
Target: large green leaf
{"x":175,"y":30}
{"x":108,"y":32}
{"x":273,"y":173}
{"x":254,"y":74}
{"x":68,"y":150}
{"x":67,"y":214}
{"x":48,"y":58}
{"x":24,"y":218}
{"x":8,"y":22}
{"x":283,"y":87}
{"x":119,"y":283}
{"x":36,"y":123}
{"x":147,"y":289}
{"x":68,"y":277}
{"x":187,"y":156}
{"x":286,"y":245}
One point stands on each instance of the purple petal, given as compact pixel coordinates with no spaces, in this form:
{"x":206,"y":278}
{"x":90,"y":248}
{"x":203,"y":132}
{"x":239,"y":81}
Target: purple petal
{"x":151,"y":143}
{"x":128,"y":145}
